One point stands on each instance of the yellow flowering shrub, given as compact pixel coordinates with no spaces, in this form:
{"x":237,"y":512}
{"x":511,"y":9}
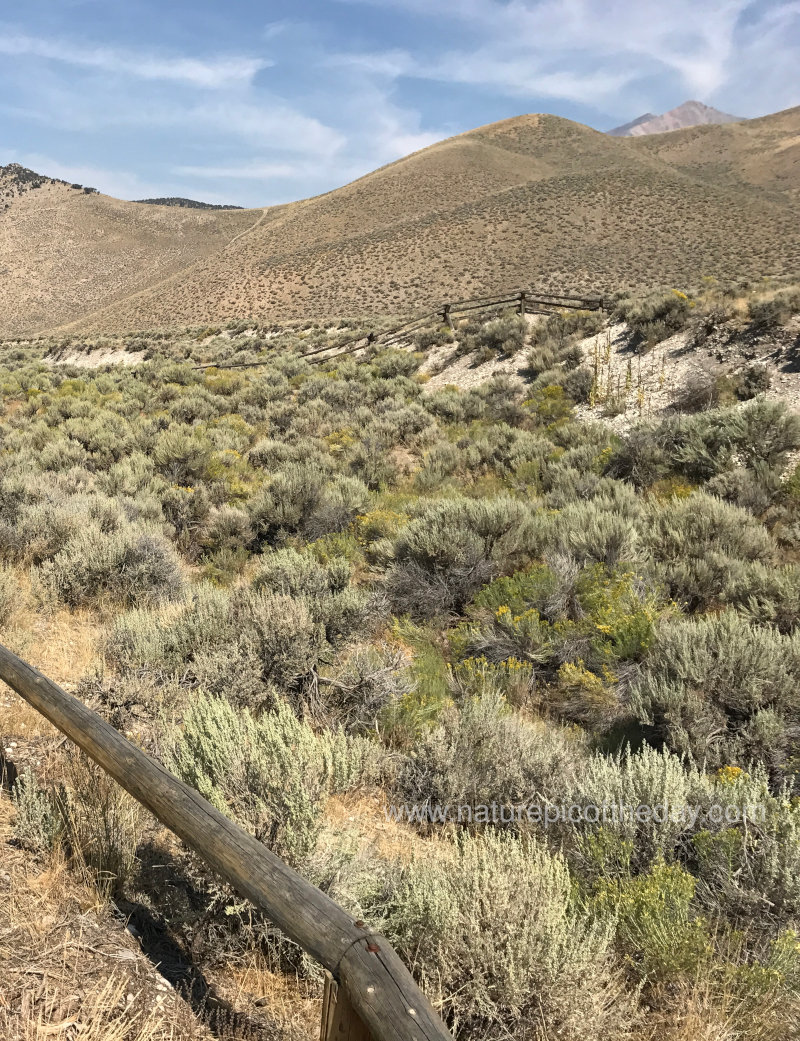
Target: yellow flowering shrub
{"x":657,"y":930}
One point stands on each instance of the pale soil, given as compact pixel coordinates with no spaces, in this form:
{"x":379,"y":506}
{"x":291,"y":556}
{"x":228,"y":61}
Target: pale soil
{"x":656,"y":378}
{"x":95,"y":358}
{"x":447,"y":369}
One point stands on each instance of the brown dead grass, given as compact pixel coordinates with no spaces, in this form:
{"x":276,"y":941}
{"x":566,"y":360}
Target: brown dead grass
{"x":67,"y":969}
{"x":365,"y":816}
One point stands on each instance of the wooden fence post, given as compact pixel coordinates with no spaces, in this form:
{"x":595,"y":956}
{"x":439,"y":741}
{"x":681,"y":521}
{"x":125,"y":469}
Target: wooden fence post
{"x":522,"y":303}
{"x":340,"y":1021}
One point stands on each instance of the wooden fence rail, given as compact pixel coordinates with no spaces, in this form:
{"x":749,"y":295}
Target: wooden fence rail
{"x":379,"y":1000}
{"x":526,"y":301}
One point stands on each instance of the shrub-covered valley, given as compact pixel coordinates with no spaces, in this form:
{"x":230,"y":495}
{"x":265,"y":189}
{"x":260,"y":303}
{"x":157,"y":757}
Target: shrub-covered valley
{"x":325,"y":593}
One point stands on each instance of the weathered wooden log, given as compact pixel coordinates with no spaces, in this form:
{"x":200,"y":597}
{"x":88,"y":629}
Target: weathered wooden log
{"x":379,"y":987}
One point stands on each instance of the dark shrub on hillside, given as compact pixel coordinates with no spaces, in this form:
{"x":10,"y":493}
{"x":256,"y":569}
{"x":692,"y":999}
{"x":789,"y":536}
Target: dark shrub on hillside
{"x":578,"y":385}
{"x":427,"y":338}
{"x":701,"y":391}
{"x":657,"y":316}
{"x":506,"y":335}
{"x":767,"y":315}
{"x":753,"y":380}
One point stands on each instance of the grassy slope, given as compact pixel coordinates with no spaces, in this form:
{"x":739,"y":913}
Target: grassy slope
{"x":64,"y":253}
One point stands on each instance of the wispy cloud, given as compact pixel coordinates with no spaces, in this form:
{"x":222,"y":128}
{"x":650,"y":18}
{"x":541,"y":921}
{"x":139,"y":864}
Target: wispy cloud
{"x":595,"y":51}
{"x":210,"y":74}
{"x":252,"y":170}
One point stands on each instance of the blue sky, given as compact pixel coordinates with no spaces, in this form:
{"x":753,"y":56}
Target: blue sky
{"x":261,"y":102}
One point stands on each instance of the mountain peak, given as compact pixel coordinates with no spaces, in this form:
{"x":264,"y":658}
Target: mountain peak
{"x":689,"y":114}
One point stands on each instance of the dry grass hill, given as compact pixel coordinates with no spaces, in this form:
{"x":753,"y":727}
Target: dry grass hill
{"x":65,"y":252}
{"x":534,"y":200}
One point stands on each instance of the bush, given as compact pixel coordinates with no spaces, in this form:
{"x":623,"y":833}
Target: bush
{"x":578,"y":385}
{"x":181,"y":456}
{"x":766,"y":315}
{"x":304,"y":501}
{"x":574,"y":628}
{"x":655,"y":317}
{"x":482,"y":754}
{"x":752,"y":381}
{"x":358,"y":691}
{"x":706,"y":445}
{"x":723,"y":691}
{"x":443,"y":556}
{"x":427,"y":338}
{"x":282,"y":633}
{"x":98,"y":823}
{"x":506,"y":335}
{"x":595,"y":532}
{"x":37,"y":824}
{"x":703,"y":390}
{"x":656,"y":927}
{"x":271,"y":773}
{"x":102,"y":825}
{"x":552,"y":966}
{"x":702,"y":546}
{"x":130,"y":567}
{"x":297,"y":574}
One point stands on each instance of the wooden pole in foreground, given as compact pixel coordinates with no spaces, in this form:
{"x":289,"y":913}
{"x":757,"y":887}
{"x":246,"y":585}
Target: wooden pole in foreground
{"x":384,"y":1000}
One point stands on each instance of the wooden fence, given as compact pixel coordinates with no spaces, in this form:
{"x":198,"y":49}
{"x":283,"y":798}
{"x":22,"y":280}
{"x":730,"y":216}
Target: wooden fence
{"x":524,"y":301}
{"x":371,"y":995}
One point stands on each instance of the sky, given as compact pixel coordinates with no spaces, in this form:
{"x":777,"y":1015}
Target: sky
{"x":258,"y":102}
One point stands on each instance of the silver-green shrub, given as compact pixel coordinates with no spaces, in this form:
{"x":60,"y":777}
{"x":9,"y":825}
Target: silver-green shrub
{"x":722,"y":690}
{"x":272,"y":773}
{"x":491,"y":927}
{"x":132,"y":566}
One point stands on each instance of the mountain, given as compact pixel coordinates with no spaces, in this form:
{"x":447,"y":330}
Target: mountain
{"x":625,"y":129}
{"x":689,"y":114}
{"x":536,"y":200}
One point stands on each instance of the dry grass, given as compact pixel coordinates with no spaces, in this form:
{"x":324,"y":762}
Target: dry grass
{"x":365,"y":817}
{"x":699,"y":1011}
{"x":62,"y":644}
{"x":67,"y":969}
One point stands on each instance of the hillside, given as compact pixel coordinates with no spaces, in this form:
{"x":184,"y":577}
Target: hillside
{"x":545,"y":569}
{"x":756,"y":153}
{"x":64,"y":252}
{"x":531,"y":200}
